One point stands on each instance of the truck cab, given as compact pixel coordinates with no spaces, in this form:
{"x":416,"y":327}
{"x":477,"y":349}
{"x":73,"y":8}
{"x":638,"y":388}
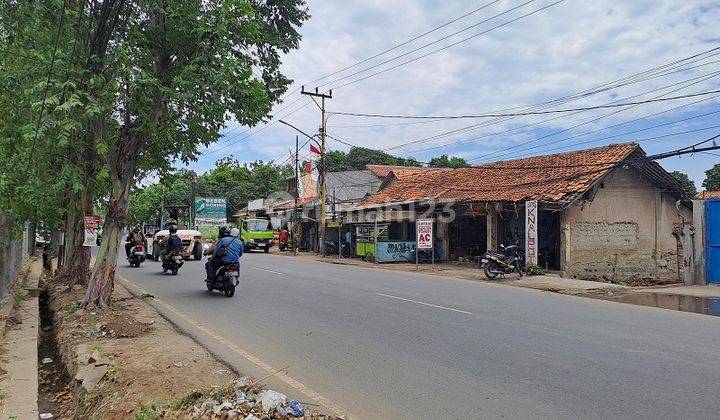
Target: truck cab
{"x":257,"y":234}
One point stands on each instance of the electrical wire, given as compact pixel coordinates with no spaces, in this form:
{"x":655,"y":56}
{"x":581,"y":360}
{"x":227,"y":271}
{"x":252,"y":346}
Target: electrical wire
{"x":447,"y":46}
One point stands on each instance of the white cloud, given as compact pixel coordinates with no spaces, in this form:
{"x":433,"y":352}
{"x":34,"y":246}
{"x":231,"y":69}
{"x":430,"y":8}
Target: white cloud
{"x":567,"y":48}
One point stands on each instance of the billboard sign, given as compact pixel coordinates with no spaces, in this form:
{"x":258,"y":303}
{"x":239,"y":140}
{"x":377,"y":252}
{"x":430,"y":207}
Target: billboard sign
{"x":210,"y":211}
{"x":424,"y":229}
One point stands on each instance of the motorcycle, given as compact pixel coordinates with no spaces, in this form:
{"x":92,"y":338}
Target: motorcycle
{"x":226,"y":280}
{"x":332,"y":249}
{"x":500,"y":263}
{"x":137,"y":255}
{"x":172,"y":263}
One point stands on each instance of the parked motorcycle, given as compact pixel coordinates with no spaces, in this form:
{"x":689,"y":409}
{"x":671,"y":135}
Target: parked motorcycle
{"x":332,"y":249}
{"x":137,"y":255}
{"x":172,"y":263}
{"x":510,"y":260}
{"x":226,"y":280}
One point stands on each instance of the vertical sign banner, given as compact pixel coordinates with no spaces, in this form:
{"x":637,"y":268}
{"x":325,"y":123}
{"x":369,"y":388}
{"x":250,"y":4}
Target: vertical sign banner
{"x":424,"y":233}
{"x":93,"y":224}
{"x":210,"y":211}
{"x":531,"y":232}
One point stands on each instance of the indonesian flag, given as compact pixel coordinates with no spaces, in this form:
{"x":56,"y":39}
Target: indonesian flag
{"x":314,"y":149}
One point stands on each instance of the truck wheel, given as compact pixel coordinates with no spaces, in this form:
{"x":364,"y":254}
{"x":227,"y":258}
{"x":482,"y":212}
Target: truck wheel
{"x":197,"y":251}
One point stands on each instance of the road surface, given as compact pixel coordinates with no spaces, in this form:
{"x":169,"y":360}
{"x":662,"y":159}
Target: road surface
{"x":388,"y":344}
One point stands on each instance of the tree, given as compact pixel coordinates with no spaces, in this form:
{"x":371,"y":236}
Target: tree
{"x":687,"y":183}
{"x":443,"y":161}
{"x":712,"y":178}
{"x":178,"y":70}
{"x":336,"y":161}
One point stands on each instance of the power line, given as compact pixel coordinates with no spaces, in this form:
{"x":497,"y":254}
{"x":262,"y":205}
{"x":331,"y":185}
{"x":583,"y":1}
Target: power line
{"x":518,"y":114}
{"x":507,"y":150}
{"x":447,"y":46}
{"x":542,"y":106}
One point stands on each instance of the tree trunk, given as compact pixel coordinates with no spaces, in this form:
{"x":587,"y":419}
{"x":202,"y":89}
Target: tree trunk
{"x":122,"y":162}
{"x":77,"y":265}
{"x":102,"y":280}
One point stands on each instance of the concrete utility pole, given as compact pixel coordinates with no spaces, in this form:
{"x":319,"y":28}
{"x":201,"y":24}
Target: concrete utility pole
{"x":295,"y":224}
{"x":321,"y":169}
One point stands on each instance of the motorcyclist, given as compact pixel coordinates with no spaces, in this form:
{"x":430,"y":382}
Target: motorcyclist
{"x":133,"y":238}
{"x":223,"y":232}
{"x":228,"y":251}
{"x":171,"y":244}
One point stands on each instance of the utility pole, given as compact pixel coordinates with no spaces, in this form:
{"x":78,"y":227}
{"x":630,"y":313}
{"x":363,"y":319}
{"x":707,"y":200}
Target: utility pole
{"x":297,"y":196}
{"x":192,"y":200}
{"x":321,"y":169}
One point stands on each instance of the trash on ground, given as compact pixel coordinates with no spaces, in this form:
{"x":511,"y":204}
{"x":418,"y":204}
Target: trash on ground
{"x":294,"y":408}
{"x":46,"y":415}
{"x":46,"y":360}
{"x":271,"y":399}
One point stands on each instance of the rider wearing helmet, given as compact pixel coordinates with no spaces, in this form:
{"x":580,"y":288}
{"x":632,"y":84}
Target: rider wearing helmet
{"x":134,"y":238}
{"x":172,"y":243}
{"x":228,"y":251}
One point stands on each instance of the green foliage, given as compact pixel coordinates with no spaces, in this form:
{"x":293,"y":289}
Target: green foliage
{"x":534,"y":270}
{"x":687,"y":183}
{"x":444,"y":162}
{"x":712,"y":178}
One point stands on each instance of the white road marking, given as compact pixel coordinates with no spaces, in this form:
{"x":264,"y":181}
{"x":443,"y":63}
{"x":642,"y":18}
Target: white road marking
{"x":425,"y":303}
{"x":265,"y":269}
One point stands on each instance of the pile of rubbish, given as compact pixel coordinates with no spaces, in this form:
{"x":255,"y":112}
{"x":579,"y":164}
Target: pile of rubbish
{"x":247,"y":403}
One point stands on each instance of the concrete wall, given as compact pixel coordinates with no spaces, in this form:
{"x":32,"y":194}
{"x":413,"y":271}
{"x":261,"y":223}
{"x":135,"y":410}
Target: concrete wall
{"x":624,"y":232}
{"x":693,"y":240}
{"x":15,"y":247}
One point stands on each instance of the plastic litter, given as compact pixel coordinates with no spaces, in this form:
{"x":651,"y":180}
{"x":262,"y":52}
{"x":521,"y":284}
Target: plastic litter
{"x":294,"y":408}
{"x":46,"y":415}
{"x":271,"y":399}
{"x":226,"y":405}
{"x":47,"y":360}
{"x":240,"y":396}
{"x":251,"y":417}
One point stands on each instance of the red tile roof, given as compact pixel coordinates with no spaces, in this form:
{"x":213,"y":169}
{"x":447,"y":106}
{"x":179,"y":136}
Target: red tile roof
{"x":382,"y":171}
{"x":705,"y":195}
{"x":551,"y":178}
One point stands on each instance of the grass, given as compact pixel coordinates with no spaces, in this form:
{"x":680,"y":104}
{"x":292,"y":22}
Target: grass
{"x":147,"y":413}
{"x":209,"y":232}
{"x":20,"y":296}
{"x":2,"y":395}
{"x":187,"y":400}
{"x":112,"y":369}
{"x":72,"y":308}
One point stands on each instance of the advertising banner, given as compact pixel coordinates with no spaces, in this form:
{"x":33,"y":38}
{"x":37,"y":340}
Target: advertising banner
{"x":424,"y":233}
{"x":531,"y":232}
{"x":210,"y":211}
{"x":93,"y":223}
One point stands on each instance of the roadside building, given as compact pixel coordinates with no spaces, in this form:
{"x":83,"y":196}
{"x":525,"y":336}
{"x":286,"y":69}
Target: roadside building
{"x":608,"y":212}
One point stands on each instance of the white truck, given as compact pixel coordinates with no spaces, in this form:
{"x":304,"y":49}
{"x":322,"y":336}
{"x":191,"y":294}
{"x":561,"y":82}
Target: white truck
{"x":191,"y":242}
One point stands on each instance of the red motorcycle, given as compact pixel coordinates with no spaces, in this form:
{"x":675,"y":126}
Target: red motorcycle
{"x":137,"y":255}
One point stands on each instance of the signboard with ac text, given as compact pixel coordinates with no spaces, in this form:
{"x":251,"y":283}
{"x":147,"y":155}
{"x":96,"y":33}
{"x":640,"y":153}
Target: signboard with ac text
{"x":424,"y":229}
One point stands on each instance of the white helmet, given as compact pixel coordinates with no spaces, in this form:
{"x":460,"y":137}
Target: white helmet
{"x":234,"y":232}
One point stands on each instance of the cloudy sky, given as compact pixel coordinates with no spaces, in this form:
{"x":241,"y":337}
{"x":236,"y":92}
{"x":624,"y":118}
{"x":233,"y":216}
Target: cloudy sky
{"x":508,"y":55}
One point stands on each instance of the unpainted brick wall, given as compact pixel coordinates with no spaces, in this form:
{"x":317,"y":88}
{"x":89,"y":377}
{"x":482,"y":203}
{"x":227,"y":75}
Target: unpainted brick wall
{"x":611,"y":250}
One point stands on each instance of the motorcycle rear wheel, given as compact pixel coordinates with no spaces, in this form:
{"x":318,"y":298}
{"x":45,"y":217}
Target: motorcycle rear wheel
{"x":174,"y":272}
{"x":491,"y":271}
{"x":230,"y":291}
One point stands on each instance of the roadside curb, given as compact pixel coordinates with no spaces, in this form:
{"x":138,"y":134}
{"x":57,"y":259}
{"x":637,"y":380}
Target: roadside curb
{"x":21,"y":348}
{"x":230,"y":354}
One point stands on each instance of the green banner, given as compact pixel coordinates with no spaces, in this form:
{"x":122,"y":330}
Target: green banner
{"x":210,"y":210}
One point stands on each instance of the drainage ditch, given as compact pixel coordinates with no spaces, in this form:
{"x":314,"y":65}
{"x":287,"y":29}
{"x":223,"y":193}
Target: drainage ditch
{"x":55,"y":396}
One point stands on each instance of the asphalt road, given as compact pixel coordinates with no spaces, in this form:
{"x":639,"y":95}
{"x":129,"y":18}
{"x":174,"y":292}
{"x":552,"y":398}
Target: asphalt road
{"x":387,"y":344}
